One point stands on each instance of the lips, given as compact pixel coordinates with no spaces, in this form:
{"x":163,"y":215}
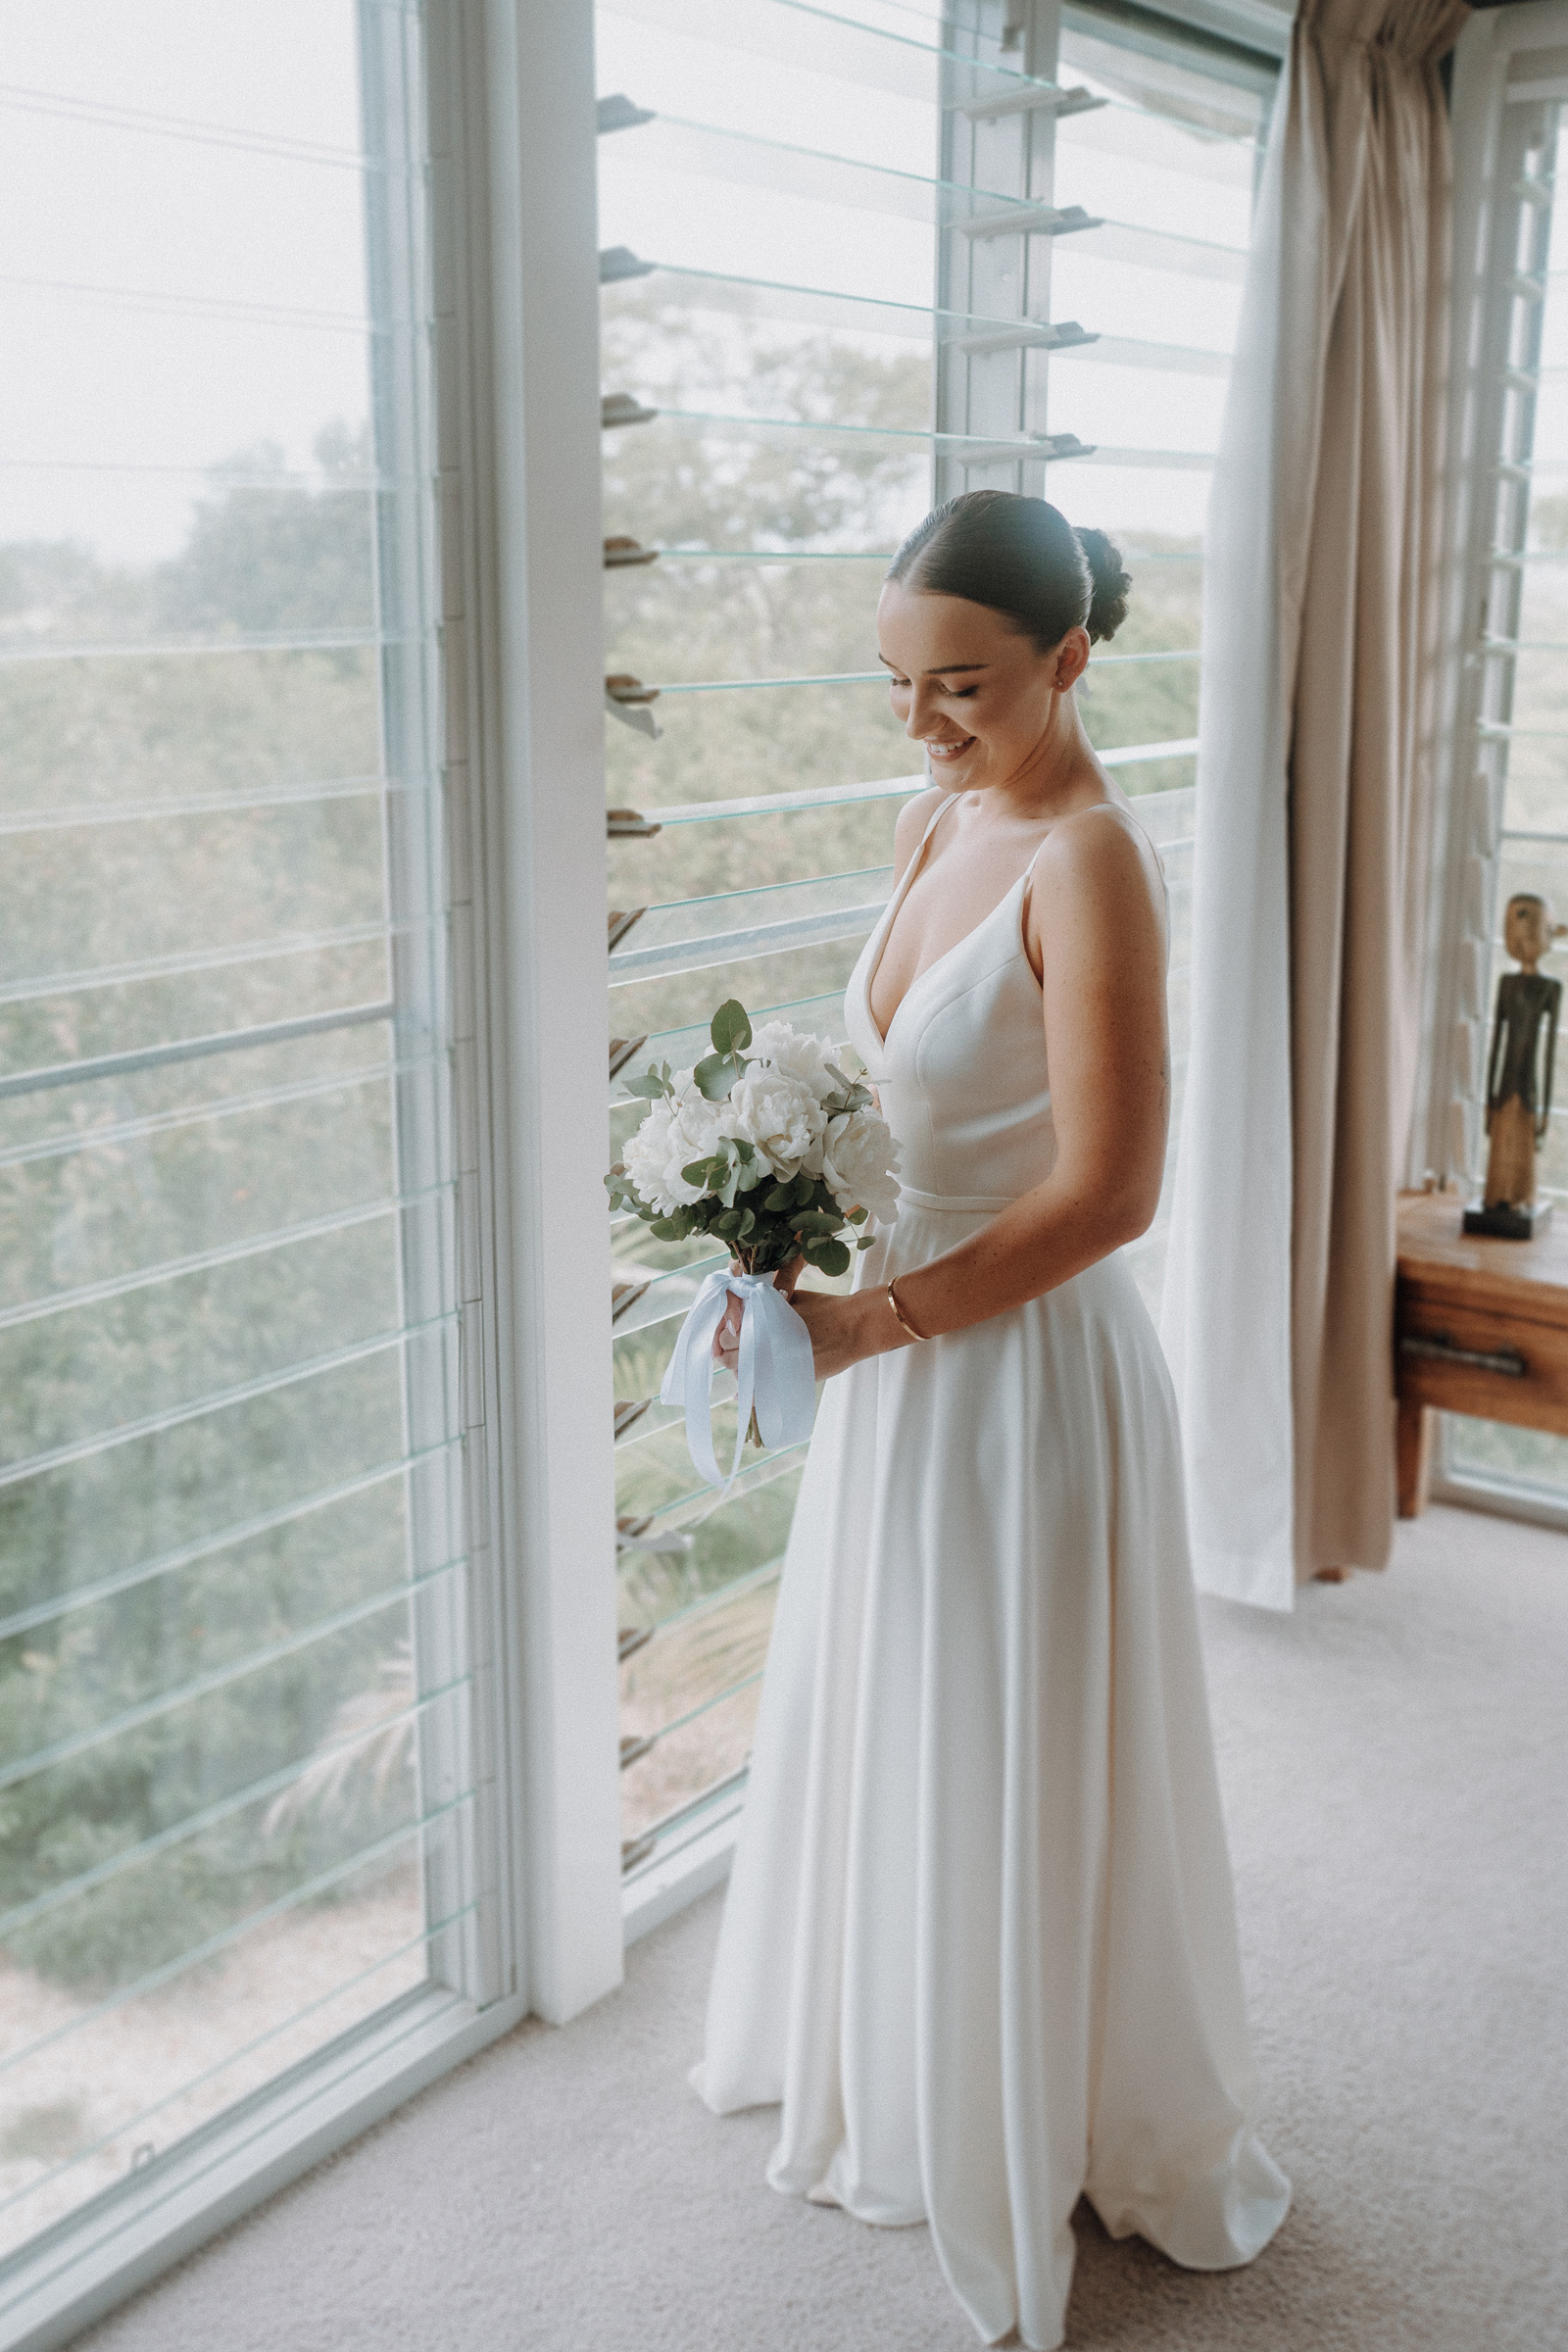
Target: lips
{"x":951,"y":751}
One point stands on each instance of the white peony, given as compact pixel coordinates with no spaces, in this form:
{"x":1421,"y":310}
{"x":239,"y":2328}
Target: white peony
{"x":647,"y":1156}
{"x":806,"y":1059}
{"x":669,"y":1139}
{"x":859,"y":1160}
{"x":779,"y":1115}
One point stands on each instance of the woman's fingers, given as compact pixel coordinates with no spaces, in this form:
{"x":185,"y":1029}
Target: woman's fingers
{"x":727,"y":1338}
{"x":785,"y":1280}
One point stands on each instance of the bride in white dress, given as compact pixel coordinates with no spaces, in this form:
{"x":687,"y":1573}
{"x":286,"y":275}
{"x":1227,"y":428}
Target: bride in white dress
{"x":979,"y":1939}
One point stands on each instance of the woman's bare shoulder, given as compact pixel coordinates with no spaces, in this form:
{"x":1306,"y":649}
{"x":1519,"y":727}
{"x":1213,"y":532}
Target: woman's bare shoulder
{"x":914,"y":819}
{"x":1101,"y":846}
{"x":1098,"y":866}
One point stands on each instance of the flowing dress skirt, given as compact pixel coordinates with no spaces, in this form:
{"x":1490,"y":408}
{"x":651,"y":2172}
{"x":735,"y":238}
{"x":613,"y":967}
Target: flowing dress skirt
{"x":979,"y":1939}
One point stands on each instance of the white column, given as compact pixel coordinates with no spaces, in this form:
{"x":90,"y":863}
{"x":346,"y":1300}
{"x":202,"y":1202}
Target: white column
{"x":516,"y":297}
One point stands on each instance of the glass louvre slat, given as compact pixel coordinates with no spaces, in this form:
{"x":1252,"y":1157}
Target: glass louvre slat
{"x":213,"y":1944}
{"x":865,"y":677}
{"x":785,"y":803}
{"x":22,"y":1768}
{"x":111,"y":1134}
{"x":741,"y":158}
{"x":719,"y":425}
{"x":227,"y":1538}
{"x":219,"y":1400}
{"x":793,"y":33}
{"x":132,"y":812}
{"x":195,"y":960}
{"x":823,"y":306}
{"x":178,"y":1832}
{"x":160,"y":301}
{"x":258,"y":641}
{"x":203,"y":1261}
{"x":193,"y":1049}
{"x":785,"y":913}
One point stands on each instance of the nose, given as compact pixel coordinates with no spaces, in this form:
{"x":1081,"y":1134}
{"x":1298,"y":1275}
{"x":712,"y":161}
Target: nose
{"x":921,"y":705}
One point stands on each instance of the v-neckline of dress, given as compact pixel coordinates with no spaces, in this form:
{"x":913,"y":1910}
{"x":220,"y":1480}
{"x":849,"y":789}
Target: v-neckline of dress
{"x":892,"y":915}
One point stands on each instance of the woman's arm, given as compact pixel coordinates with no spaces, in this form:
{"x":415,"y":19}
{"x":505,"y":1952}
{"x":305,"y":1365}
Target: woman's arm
{"x":1099,"y":932}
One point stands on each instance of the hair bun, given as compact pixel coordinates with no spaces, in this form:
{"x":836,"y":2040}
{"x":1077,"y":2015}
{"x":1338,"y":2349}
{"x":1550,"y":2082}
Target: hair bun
{"x":1108,"y":604}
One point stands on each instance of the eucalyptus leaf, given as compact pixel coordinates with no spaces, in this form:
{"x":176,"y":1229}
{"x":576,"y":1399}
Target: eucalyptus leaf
{"x":731,"y":1029}
{"x":832,"y":1257}
{"x":649,"y":1086}
{"x":781,"y":1196}
{"x":715,"y":1074}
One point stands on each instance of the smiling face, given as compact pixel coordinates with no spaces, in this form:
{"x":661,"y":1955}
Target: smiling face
{"x":983,"y":698}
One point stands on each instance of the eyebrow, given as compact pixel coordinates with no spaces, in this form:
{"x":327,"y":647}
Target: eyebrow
{"x":944,"y":670}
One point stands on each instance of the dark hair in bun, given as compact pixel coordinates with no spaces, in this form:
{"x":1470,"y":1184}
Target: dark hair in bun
{"x":1021,"y":558}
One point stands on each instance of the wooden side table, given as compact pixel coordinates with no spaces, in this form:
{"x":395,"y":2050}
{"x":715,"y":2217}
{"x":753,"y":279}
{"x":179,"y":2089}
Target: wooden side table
{"x":1481,"y":1327}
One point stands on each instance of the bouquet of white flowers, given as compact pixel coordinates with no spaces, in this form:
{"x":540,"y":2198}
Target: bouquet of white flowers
{"x":769,"y":1145}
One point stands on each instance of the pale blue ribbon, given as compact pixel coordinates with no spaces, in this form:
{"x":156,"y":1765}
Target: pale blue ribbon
{"x":773,"y":1369}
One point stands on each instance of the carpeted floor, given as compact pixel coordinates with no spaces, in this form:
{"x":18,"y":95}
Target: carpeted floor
{"x":1396,"y":1768}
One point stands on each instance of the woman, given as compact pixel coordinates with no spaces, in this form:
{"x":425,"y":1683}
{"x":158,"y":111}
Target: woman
{"x":979,"y":1937}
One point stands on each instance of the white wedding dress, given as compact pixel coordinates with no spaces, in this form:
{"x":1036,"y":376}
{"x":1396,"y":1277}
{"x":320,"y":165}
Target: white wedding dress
{"x":979,"y":1939}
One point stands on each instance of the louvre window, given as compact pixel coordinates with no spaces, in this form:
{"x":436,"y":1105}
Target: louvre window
{"x":856,"y":260}
{"x":1510,"y":831}
{"x":235,"y":1774}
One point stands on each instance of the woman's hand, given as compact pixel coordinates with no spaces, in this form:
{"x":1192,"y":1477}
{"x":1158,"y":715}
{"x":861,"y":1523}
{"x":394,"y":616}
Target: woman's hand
{"x":727,"y":1338}
{"x":845,"y":1330}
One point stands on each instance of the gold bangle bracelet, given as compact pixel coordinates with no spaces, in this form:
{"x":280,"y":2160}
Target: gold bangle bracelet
{"x":893,"y":1301}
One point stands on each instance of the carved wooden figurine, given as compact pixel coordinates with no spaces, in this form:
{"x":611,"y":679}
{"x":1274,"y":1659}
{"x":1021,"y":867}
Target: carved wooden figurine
{"x":1519,"y":1068}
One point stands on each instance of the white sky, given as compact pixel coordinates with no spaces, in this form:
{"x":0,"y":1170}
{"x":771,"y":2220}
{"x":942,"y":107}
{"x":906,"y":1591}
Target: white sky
{"x":122,"y":386}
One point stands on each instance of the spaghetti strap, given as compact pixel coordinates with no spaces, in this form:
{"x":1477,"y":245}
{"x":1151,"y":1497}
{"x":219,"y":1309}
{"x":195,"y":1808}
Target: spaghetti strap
{"x":937,"y":815}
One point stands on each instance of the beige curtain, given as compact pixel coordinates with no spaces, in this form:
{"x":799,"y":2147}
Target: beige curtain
{"x":1368,"y":136}
{"x":1313,"y":801}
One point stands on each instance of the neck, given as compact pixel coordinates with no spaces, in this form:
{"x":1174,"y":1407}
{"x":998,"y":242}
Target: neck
{"x":1056,"y":774}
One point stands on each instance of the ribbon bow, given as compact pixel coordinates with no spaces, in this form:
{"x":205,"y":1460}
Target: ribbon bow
{"x":773,"y":1369}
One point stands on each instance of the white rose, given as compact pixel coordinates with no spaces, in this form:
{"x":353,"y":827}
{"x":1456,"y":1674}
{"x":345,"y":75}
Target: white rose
{"x":859,"y":1160}
{"x":779,"y":1115}
{"x":806,"y":1059}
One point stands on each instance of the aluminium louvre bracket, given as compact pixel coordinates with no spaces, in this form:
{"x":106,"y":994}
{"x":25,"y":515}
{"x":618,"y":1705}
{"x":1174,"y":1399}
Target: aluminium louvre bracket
{"x":1029,"y":221}
{"x":1039,"y":98}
